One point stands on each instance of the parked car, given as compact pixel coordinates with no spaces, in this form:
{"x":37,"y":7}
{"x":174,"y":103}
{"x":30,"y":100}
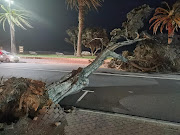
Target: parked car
{"x":8,"y":57}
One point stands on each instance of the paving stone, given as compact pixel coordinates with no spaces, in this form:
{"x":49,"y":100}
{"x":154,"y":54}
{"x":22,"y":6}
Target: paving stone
{"x":53,"y":106}
{"x":92,"y":123}
{"x":51,"y":116}
{"x":51,"y":110}
{"x":57,"y":111}
{"x":45,"y":117}
{"x":56,"y":116}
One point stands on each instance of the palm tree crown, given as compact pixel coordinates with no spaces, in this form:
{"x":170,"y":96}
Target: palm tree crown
{"x":16,"y":17}
{"x":169,"y":18}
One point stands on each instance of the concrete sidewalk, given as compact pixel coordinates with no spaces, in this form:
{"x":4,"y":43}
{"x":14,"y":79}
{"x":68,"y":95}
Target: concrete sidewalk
{"x":84,"y":122}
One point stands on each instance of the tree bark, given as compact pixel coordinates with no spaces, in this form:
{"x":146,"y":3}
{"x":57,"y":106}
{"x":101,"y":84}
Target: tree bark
{"x":13,"y":42}
{"x":75,"y":48}
{"x":75,"y":81}
{"x":81,"y":23}
{"x":171,"y":29}
{"x":92,"y":50}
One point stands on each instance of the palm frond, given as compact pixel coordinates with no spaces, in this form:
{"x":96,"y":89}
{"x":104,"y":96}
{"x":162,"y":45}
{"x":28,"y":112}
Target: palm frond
{"x":157,"y":21}
{"x":176,"y":6}
{"x":156,"y":17}
{"x":2,"y":18}
{"x":16,"y":21}
{"x":178,"y":19}
{"x":160,"y":12}
{"x":155,"y":28}
{"x":25,"y":22}
{"x":5,"y":9}
{"x":159,"y":9}
{"x":166,"y":5}
{"x":163,"y":24}
{"x":4,"y":21}
{"x":72,"y":4}
{"x":177,"y":22}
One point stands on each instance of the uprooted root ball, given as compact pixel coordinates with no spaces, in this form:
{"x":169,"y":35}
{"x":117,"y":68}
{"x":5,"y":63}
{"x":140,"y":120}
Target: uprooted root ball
{"x":21,"y":97}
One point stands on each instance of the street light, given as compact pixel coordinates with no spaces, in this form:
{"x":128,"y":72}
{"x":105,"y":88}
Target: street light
{"x":10,"y":2}
{"x":11,"y":29}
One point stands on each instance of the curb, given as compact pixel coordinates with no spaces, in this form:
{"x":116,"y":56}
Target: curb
{"x":85,"y":61}
{"x":165,"y":124}
{"x":112,"y":72}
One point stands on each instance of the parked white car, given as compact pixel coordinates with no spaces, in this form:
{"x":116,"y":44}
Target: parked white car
{"x":8,"y":57}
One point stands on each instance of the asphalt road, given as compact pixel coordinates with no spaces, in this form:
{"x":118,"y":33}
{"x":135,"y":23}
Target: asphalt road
{"x":146,"y":96}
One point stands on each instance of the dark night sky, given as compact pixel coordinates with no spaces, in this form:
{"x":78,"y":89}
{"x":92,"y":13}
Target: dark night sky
{"x":51,"y":19}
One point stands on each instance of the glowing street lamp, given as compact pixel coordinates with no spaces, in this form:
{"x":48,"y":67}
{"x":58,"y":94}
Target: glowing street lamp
{"x":10,"y":2}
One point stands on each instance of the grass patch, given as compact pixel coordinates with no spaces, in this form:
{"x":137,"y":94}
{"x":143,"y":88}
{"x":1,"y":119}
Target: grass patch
{"x":55,"y":56}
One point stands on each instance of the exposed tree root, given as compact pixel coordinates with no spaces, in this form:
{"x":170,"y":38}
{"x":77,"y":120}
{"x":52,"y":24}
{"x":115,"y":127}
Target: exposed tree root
{"x":22,"y":97}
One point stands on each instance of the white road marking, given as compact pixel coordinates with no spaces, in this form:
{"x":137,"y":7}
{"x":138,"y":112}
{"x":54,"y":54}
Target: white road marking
{"x":84,"y":94}
{"x":131,"y":92}
{"x":163,"y":77}
{"x":49,"y":70}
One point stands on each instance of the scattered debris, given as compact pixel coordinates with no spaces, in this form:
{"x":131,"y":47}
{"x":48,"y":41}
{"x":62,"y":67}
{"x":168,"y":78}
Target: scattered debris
{"x":57,"y":124}
{"x":150,"y":56}
{"x":35,"y":118}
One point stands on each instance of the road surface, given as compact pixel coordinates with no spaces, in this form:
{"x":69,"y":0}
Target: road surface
{"x":146,"y":96}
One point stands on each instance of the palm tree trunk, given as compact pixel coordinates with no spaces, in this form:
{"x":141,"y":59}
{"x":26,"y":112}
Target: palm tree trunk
{"x":81,"y":24}
{"x":75,"y":48}
{"x":13,"y":43}
{"x":170,"y":32}
{"x":78,"y":79}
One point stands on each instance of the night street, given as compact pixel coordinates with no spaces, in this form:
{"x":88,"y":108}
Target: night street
{"x":90,"y":67}
{"x":152,"y":97}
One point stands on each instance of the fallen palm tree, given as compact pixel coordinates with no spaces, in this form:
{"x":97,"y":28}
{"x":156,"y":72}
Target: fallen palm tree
{"x":22,"y":98}
{"x":78,"y":79}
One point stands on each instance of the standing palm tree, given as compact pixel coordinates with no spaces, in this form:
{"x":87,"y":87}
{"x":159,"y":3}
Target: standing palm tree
{"x":14,"y":17}
{"x":169,"y":17}
{"x":82,"y":5}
